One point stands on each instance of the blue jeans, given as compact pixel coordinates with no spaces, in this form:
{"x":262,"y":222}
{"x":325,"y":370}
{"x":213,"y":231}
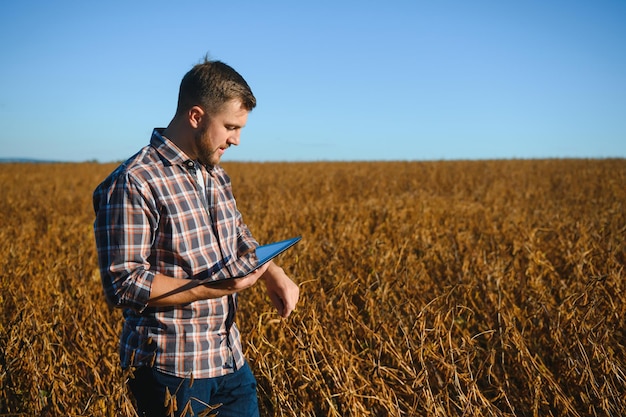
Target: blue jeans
{"x":235,"y":392}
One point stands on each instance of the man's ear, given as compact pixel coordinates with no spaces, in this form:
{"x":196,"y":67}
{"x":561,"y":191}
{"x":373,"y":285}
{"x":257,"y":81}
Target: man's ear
{"x":195,"y":116}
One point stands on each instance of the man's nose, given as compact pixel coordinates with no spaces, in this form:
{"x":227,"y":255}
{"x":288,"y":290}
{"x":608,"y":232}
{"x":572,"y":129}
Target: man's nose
{"x":234,"y":139}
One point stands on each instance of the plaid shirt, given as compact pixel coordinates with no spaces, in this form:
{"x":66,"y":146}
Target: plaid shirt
{"x":152,"y":216}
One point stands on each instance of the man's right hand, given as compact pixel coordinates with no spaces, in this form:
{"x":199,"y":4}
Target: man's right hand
{"x":167,"y":291}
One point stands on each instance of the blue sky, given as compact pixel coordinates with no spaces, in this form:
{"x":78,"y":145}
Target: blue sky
{"x":334,"y":80}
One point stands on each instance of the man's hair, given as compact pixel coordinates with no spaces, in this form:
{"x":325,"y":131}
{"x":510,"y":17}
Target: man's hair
{"x":210,"y":85}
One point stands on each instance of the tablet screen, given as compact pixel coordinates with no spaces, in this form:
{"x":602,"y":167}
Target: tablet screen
{"x":264,"y":254}
{"x":268,"y":252}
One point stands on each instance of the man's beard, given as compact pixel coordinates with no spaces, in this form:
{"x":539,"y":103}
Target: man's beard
{"x":205,"y":154}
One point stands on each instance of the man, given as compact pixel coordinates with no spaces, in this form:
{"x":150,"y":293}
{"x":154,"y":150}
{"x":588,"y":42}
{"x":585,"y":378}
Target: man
{"x":165,"y":218}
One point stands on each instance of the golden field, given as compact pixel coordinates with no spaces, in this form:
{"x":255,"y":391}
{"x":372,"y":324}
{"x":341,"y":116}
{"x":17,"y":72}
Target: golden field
{"x":449,"y":288}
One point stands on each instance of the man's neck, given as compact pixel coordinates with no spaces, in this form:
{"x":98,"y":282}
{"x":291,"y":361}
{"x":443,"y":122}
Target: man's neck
{"x":181,"y":136}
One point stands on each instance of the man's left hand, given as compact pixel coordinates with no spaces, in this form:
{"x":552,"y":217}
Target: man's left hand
{"x":283,"y":292}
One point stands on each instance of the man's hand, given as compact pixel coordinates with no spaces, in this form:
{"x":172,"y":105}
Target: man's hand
{"x":167,"y":291}
{"x":283,"y":292}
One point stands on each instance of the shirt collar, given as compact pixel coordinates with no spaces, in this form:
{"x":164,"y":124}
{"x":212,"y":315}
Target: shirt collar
{"x":170,"y":152}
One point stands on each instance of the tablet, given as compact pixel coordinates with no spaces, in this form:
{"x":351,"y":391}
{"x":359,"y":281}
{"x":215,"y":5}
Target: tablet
{"x":268,"y":252}
{"x":264,"y":254}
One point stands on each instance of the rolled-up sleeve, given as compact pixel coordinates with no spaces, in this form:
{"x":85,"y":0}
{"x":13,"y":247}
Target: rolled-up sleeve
{"x":124,"y":228}
{"x":246,"y":255}
{"x":245,"y":242}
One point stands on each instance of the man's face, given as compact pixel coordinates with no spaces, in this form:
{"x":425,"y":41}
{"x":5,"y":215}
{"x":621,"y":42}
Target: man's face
{"x":220,"y":131}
